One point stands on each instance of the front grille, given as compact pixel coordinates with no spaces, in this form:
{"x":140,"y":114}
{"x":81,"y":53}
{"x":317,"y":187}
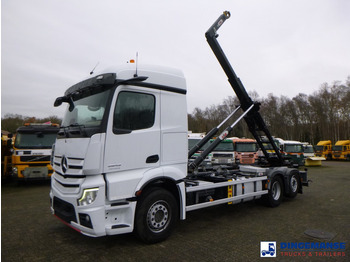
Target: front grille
{"x":223,"y":155}
{"x":67,"y":185}
{"x":64,"y":210}
{"x":70,"y":176}
{"x":68,"y":179}
{"x":74,"y":166}
{"x":34,"y":158}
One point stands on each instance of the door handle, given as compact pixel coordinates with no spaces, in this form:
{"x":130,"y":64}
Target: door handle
{"x":152,"y":159}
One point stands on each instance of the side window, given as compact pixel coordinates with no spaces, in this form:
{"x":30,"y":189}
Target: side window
{"x":133,"y":111}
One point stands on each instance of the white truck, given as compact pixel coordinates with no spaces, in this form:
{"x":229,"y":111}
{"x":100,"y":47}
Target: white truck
{"x":121,"y":156}
{"x":193,"y":139}
{"x":294,"y":150}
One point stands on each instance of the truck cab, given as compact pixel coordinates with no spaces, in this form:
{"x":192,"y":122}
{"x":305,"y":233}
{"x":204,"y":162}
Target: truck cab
{"x":193,"y":139}
{"x":32,"y":151}
{"x":120,"y":134}
{"x":224,"y":153}
{"x":293,"y":150}
{"x":308,"y":150}
{"x":341,"y":150}
{"x":245,"y":150}
{"x":324,"y":149}
{"x":6,"y":156}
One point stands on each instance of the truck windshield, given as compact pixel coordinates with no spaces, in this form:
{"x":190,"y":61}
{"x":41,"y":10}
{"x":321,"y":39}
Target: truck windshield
{"x":88,"y":111}
{"x":293,"y":148}
{"x":245,"y":147}
{"x":338,"y":148}
{"x":224,"y":146}
{"x":319,"y":148}
{"x":35,"y":140}
{"x":308,"y":149}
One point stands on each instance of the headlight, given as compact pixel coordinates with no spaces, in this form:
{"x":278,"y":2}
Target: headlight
{"x":88,"y":197}
{"x":15,"y":171}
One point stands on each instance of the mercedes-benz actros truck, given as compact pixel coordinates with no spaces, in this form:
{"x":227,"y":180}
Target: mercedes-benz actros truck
{"x":121,"y":155}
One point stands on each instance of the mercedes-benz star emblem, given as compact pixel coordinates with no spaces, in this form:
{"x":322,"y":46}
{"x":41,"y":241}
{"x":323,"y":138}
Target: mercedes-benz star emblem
{"x":64,"y":164}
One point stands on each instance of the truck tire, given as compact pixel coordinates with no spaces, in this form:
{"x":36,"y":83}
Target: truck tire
{"x":275,"y":195}
{"x":156,"y":215}
{"x":294,"y":185}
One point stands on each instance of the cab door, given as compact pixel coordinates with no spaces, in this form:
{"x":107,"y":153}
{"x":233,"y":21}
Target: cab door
{"x":133,"y":132}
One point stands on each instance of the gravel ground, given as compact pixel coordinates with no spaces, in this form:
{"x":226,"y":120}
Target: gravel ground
{"x":224,"y":233}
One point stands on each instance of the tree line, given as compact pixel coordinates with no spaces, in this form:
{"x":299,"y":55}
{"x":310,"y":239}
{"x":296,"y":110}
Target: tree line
{"x":323,"y":115}
{"x":10,"y":122}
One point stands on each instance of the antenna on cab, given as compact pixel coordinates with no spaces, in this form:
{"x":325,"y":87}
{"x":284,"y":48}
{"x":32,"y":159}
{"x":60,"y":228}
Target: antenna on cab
{"x":132,"y":61}
{"x":92,"y":71}
{"x":137,"y":59}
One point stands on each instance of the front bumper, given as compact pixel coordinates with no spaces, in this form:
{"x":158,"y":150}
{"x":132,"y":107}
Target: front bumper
{"x":29,"y":172}
{"x":99,"y":218}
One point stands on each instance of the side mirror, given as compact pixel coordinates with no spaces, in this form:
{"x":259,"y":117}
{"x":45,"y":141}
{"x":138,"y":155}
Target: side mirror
{"x":58,"y":102}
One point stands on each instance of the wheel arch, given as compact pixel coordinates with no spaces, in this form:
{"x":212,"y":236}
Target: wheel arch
{"x":276,"y":173}
{"x":175,"y":187}
{"x":163,"y":182}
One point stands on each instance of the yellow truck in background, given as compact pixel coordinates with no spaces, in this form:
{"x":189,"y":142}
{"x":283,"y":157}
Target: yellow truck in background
{"x":6,"y":156}
{"x":324,"y":149}
{"x":32,"y":151}
{"x":341,"y":150}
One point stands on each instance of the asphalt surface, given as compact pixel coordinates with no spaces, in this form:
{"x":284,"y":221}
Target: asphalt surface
{"x":223,"y":233}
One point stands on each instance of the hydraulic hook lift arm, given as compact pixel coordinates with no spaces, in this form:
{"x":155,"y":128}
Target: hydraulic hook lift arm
{"x":253,"y":118}
{"x":210,"y":135}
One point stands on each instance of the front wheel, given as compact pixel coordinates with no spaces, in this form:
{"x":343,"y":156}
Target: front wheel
{"x":156,"y":215}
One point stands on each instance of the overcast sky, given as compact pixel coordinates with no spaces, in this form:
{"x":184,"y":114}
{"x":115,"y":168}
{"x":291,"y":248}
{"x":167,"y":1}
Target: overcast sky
{"x":279,"y":47}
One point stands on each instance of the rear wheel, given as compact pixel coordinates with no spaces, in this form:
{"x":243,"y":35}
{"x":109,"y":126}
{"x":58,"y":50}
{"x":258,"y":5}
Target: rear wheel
{"x":294,"y":185}
{"x":156,"y":215}
{"x":275,"y":194}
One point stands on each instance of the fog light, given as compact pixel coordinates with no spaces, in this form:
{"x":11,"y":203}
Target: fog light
{"x":85,"y":220}
{"x":88,"y":197}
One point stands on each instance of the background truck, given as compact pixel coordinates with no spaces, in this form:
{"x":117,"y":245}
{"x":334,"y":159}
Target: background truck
{"x":309,"y":156}
{"x":341,"y":150}
{"x":32,"y":151}
{"x":223,"y":153}
{"x":193,"y":139}
{"x":6,"y":156}
{"x":102,"y":186}
{"x":245,"y":150}
{"x":294,"y":150}
{"x":324,"y":149}
{"x":308,"y":150}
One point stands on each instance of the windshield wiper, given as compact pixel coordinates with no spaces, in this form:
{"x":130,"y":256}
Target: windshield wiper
{"x":76,"y":132}
{"x":66,"y":130}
